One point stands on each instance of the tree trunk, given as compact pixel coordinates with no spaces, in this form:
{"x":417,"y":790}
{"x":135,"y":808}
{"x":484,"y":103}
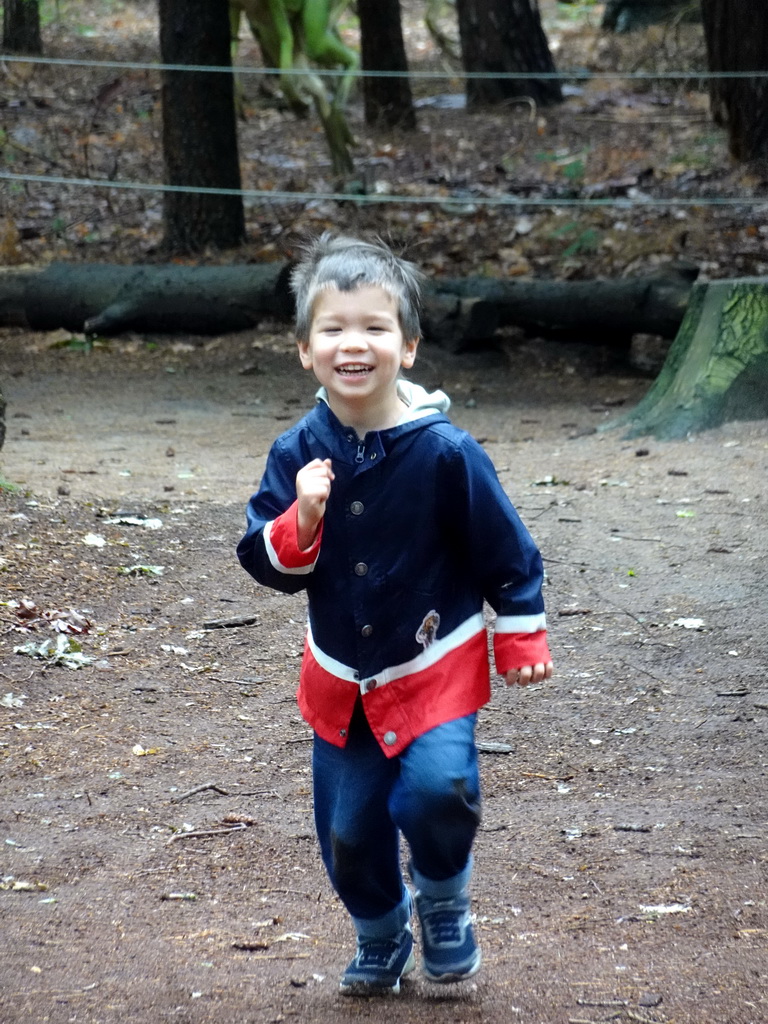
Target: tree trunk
{"x":501,"y":36}
{"x":199,"y":131}
{"x":104,"y":299}
{"x":388,"y":101}
{"x":628,"y":15}
{"x":21,"y":27}
{"x":736,"y":32}
{"x":717,"y":368}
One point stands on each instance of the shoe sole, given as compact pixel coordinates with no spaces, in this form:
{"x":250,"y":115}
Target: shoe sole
{"x":451,"y":977}
{"x":365,"y":988}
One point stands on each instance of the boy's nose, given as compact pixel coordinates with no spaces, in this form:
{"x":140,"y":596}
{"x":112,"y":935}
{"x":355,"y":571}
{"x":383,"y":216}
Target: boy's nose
{"x":354,"y":341}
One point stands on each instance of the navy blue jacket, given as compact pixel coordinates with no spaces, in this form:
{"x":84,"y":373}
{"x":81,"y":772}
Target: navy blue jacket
{"x":418,"y":533}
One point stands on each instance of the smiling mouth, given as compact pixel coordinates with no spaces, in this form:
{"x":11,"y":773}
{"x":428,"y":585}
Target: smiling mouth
{"x":354,"y":370}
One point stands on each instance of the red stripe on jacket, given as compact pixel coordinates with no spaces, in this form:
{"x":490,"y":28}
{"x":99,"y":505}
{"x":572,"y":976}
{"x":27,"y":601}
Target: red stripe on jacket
{"x":399,"y":711}
{"x":284,"y":538}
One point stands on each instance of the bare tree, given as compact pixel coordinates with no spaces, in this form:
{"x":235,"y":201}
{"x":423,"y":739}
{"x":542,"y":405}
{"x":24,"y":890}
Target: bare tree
{"x":737,"y":40}
{"x":500,"y":36}
{"x":21,"y":27}
{"x":199,"y":129}
{"x":388,"y":101}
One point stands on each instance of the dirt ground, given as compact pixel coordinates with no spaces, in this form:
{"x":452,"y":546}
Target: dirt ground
{"x":158,"y":856}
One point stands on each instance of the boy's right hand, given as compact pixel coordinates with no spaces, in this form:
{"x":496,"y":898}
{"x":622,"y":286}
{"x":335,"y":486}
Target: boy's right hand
{"x":313,"y":488}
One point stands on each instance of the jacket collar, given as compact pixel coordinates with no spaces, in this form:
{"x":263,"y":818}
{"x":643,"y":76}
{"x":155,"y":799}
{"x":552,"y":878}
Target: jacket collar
{"x":421,"y":410}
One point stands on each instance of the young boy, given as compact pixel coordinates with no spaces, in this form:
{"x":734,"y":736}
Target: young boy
{"x":396,"y":524}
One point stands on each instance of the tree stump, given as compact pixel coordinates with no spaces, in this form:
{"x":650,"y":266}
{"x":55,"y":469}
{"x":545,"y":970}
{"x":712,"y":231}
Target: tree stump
{"x":717,"y":368}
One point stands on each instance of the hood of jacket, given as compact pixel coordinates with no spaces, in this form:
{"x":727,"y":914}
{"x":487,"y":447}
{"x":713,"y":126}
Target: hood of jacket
{"x":419,"y":401}
{"x":421,"y":409}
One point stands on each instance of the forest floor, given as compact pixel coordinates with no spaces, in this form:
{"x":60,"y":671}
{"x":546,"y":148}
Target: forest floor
{"x":158,"y":857}
{"x":621,"y":865}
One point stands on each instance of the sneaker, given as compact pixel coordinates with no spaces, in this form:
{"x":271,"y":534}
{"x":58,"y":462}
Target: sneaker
{"x":450,"y":951}
{"x":378,"y":965}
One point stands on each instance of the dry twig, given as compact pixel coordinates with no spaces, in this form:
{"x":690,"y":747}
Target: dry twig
{"x":208,"y":833}
{"x":200,"y":789}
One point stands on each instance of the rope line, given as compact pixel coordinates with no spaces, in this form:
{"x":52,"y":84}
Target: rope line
{"x":468,"y":200}
{"x":383,"y":198}
{"x":563,"y":76}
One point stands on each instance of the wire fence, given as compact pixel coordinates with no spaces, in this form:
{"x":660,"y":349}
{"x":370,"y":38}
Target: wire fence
{"x":577,"y":74}
{"x":468,"y":198}
{"x":466,"y":201}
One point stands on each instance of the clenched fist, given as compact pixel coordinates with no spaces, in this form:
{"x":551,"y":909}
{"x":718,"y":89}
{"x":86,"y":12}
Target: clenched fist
{"x":529,"y":674}
{"x":313,"y":488}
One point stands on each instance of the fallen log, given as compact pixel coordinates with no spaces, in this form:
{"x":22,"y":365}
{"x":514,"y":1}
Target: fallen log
{"x":604,"y":311}
{"x":717,"y":368}
{"x":112,"y":299}
{"x":107,"y":299}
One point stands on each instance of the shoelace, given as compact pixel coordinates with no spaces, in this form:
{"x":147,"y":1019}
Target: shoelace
{"x":444,"y":926}
{"x":376,"y":954}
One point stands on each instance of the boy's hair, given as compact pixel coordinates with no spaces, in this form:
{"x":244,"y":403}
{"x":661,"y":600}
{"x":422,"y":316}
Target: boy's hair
{"x":338,"y":261}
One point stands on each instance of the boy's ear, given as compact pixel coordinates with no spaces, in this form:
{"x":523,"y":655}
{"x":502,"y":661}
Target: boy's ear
{"x":409,"y":353}
{"x":304,"y":354}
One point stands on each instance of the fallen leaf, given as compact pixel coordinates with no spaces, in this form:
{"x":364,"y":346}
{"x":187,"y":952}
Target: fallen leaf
{"x":63,"y":651}
{"x":145,"y":521}
{"x":141,"y":570}
{"x":11,"y":701}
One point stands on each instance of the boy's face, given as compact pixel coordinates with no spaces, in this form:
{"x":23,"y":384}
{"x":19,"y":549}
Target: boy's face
{"x":356,"y":347}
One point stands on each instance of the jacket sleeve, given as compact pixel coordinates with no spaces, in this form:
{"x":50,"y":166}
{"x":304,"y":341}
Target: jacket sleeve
{"x":269,"y":551}
{"x":506,"y":562}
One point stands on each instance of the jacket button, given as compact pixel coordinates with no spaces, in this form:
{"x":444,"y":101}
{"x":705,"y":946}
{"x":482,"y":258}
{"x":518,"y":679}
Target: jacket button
{"x":366,"y":631}
{"x":361,"y":569}
{"x":357,"y":508}
{"x":369,"y":684}
{"x":390,"y":738}
{"x":342,"y":733}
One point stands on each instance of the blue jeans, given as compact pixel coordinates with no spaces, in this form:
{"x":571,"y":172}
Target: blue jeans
{"x":363,"y":801}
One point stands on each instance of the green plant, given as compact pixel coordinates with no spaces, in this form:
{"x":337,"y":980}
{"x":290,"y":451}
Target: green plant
{"x":576,"y":10}
{"x":587,"y":239}
{"x":575,"y":170}
{"x":572,"y":166}
{"x":7,"y":487}
{"x":76,"y":343}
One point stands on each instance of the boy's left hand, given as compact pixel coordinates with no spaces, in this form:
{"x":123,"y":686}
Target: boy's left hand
{"x":529,"y":674}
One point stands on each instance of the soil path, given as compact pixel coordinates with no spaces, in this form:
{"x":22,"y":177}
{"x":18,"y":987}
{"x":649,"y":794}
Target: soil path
{"x":621,"y":866}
